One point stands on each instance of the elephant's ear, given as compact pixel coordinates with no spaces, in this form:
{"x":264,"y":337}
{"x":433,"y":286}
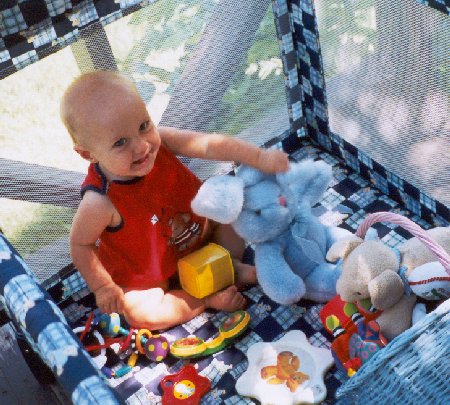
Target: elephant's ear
{"x":342,"y":248}
{"x":220,"y":198}
{"x":386,"y":289}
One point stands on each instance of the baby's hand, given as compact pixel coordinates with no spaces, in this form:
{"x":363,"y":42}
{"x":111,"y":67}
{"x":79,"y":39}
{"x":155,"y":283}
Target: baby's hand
{"x":110,"y":298}
{"x":273,"y":161}
{"x":228,"y":300}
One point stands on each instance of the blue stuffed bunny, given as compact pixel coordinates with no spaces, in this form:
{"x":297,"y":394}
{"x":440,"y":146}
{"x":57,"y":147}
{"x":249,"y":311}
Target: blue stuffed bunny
{"x":273,"y":212}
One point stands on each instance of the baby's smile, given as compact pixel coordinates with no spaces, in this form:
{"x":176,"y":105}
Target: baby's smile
{"x":142,"y":160}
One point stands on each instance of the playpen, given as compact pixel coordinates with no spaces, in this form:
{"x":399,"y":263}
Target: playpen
{"x":361,"y":84}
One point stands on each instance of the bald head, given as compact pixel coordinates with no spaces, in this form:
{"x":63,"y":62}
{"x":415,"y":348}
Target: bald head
{"x":88,"y":96}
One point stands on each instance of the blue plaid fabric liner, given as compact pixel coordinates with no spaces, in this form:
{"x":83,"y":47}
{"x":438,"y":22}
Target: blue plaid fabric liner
{"x":346,"y":204}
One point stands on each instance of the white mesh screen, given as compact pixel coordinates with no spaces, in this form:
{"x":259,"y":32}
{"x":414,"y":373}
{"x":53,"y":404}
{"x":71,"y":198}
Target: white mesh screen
{"x":201,"y":65}
{"x":40,"y":174}
{"x":388,"y":81}
{"x":204,"y":65}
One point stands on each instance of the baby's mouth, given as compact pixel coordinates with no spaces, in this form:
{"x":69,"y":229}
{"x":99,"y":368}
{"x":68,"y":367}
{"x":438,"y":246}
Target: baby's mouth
{"x":142,"y":160}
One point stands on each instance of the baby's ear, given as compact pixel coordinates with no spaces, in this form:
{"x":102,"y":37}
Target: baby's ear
{"x":220,"y":198}
{"x":84,"y":153}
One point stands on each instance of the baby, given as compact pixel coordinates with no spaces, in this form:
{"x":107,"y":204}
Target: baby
{"x":135,"y":221}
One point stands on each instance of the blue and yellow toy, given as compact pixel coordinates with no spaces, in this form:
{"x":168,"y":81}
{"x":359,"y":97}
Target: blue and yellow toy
{"x":192,"y":346}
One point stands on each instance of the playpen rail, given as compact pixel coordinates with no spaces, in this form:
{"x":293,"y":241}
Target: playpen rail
{"x":40,"y":184}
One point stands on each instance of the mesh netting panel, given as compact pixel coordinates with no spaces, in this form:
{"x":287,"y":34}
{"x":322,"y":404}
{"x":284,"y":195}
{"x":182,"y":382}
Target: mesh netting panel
{"x":40,"y":174}
{"x":40,"y":233}
{"x":388,"y":80}
{"x":201,"y":65}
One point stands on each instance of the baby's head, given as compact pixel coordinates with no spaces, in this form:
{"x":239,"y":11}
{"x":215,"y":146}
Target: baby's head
{"x":109,"y":124}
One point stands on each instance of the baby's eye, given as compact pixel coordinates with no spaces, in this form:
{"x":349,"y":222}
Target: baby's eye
{"x":120,"y":142}
{"x":144,"y":126}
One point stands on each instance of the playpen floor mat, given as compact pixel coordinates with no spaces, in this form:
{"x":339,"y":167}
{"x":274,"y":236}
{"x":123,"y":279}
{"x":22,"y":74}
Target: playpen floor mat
{"x":348,"y":200}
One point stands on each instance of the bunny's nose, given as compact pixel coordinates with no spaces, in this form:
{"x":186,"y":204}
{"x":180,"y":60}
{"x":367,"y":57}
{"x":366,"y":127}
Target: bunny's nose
{"x":282,"y":201}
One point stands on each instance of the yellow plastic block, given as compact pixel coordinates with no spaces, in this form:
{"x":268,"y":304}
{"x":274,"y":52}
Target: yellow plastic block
{"x":206,"y":271}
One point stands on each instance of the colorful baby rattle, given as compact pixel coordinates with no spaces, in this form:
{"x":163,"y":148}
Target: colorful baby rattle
{"x":155,"y":347}
{"x":192,"y":346}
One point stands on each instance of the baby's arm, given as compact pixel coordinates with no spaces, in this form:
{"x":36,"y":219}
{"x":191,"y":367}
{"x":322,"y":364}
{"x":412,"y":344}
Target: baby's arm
{"x":94,"y":214}
{"x":220,"y":147}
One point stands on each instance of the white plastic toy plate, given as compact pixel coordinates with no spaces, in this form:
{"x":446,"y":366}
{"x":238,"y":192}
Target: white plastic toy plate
{"x":287,"y":372}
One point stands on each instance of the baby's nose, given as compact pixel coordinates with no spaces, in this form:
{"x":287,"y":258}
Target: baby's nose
{"x":140,"y":144}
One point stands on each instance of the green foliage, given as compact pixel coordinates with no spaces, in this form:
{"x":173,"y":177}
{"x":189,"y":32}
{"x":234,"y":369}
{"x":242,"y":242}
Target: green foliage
{"x":49,"y":224}
{"x":349,"y":24}
{"x":166,"y":25}
{"x":235,"y":111}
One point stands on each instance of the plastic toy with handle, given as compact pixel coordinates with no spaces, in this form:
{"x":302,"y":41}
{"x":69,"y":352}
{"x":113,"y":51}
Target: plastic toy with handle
{"x":190,"y":347}
{"x":355,"y":340}
{"x":430,"y":280}
{"x":185,"y":387}
{"x":155,"y":347}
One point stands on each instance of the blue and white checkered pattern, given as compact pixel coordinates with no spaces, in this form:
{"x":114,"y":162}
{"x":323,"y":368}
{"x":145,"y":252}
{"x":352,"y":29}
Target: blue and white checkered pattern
{"x":350,"y":194}
{"x":45,"y":328}
{"x":284,"y":27}
{"x":12,"y":21}
{"x":33,"y":29}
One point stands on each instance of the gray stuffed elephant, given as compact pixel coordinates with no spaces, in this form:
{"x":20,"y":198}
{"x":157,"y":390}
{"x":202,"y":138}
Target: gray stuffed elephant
{"x":371,"y":270}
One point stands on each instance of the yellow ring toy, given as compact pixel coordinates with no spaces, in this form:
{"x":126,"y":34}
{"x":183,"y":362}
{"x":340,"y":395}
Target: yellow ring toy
{"x":142,"y":332}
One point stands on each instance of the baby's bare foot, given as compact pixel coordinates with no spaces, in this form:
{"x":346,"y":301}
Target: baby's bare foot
{"x":245,"y":275}
{"x":228,"y":300}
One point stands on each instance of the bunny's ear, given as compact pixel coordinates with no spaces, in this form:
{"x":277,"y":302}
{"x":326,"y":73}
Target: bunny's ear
{"x":249,"y":175}
{"x":220,"y":198}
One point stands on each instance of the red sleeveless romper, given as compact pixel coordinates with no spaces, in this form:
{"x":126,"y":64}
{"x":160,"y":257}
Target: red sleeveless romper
{"x":158,"y":226}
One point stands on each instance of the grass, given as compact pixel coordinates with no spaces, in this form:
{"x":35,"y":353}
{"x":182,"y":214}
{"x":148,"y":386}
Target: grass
{"x":32,"y":132}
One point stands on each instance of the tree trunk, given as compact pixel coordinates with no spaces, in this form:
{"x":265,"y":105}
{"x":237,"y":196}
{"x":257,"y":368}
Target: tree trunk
{"x":224,"y":44}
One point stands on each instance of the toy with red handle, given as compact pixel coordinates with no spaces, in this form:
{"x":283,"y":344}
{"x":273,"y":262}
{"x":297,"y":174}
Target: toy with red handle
{"x":430,"y":280}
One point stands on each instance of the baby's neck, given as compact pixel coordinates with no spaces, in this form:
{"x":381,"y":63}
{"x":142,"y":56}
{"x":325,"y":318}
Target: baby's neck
{"x":112,"y":177}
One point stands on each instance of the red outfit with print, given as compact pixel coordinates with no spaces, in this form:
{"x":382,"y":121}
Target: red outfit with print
{"x":158,"y":226}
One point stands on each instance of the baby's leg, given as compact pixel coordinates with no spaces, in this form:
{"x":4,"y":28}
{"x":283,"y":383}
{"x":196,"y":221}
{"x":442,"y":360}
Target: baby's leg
{"x":224,"y":235}
{"x":156,"y":309}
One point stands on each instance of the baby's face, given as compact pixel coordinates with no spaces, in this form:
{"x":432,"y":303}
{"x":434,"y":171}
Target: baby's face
{"x":121,"y":136}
